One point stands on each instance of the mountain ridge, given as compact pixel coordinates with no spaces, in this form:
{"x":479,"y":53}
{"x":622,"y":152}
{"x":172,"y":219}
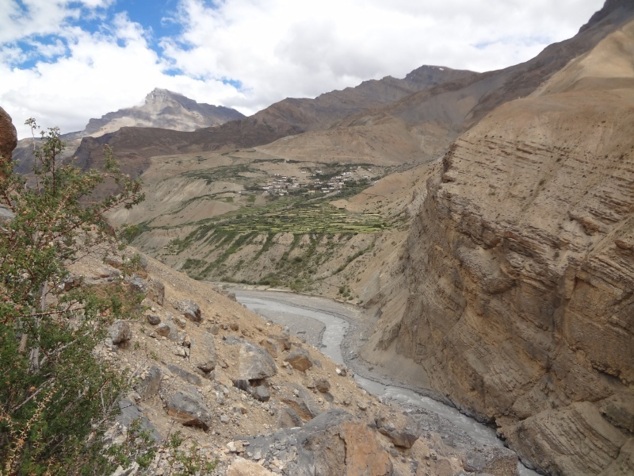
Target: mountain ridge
{"x":164,"y":109}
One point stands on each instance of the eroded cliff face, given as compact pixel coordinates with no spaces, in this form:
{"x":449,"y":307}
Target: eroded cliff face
{"x":520,"y":269}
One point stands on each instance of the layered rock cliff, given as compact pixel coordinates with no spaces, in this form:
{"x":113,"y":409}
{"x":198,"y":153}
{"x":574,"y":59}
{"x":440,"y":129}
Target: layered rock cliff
{"x":518,"y":302}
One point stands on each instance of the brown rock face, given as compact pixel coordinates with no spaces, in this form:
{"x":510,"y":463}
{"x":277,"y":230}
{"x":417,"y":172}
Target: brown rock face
{"x":8,"y":136}
{"x":520,"y":269}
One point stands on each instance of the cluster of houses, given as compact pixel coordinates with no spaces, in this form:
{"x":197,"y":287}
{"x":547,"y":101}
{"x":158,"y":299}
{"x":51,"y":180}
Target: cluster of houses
{"x":281,"y":185}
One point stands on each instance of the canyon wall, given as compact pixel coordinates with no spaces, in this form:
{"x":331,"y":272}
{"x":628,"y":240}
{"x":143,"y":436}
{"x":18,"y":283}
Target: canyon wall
{"x":518,"y":302}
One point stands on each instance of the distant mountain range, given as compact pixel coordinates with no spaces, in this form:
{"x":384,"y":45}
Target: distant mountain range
{"x":427,"y":110}
{"x":161,"y":109}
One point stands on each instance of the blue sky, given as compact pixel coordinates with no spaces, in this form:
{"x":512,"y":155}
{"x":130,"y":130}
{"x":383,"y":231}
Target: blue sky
{"x":64,"y":62}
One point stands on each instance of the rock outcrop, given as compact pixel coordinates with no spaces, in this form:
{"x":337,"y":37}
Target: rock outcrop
{"x":520,"y":269}
{"x":8,"y":137}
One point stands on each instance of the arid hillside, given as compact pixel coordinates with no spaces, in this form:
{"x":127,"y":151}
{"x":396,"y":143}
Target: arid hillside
{"x":253,"y":217}
{"x":515,"y":296}
{"x":244,"y":396}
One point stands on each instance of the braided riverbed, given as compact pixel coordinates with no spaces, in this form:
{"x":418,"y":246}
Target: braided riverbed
{"x":331,"y":326}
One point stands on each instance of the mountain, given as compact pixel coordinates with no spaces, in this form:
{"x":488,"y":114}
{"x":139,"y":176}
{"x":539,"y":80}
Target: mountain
{"x":161,"y":109}
{"x":501,"y":275}
{"x":514,"y":292}
{"x":285,"y":118}
{"x":196,"y":178}
{"x":422,"y":113}
{"x":164,"y":109}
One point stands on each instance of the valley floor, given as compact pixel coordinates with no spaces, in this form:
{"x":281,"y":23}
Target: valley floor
{"x":339,"y":330}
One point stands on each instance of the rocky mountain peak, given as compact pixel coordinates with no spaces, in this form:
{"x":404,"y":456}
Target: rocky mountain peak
{"x":164,"y":109}
{"x":611,"y":8}
{"x":163,"y":96}
{"x":432,"y":75}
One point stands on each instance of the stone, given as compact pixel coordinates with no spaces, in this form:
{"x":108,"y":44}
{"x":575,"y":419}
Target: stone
{"x":149,"y":383}
{"x":364,"y":454}
{"x":130,"y":413}
{"x":270,"y":345}
{"x":190,"y":310}
{"x":333,"y":443}
{"x":163,"y":330}
{"x":189,"y":409}
{"x":496,"y":461}
{"x":153,"y":319}
{"x":156,"y":291}
{"x":284,"y":341}
{"x":185,"y":375}
{"x":120,"y":333}
{"x":401,"y":438}
{"x":288,"y":418}
{"x":261,"y":393}
{"x":255,"y":363}
{"x":243,"y":467}
{"x":258,"y":389}
{"x":322,"y":385}
{"x":138,"y":284}
{"x":300,"y":400}
{"x":235,"y":447}
{"x":203,"y":352}
{"x":131,"y":470}
{"x":299,"y":359}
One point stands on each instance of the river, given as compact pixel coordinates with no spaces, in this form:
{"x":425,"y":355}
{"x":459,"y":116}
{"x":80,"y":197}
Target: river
{"x":325,"y":324}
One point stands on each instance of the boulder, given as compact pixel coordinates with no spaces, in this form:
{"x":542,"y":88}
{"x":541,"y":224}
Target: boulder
{"x":138,"y":284}
{"x":258,"y":389}
{"x":163,"y":330}
{"x":400,"y":429}
{"x":156,"y":291}
{"x":149,"y":383}
{"x":120,"y":332}
{"x":203,"y":353}
{"x":189,"y":409}
{"x":300,"y":400}
{"x":131,"y":414}
{"x":153,"y":319}
{"x":333,"y":443}
{"x":255,"y":363}
{"x":190,"y":310}
{"x":243,"y":467}
{"x":299,"y":359}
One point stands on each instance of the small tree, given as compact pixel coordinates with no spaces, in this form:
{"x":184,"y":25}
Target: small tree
{"x":55,"y":395}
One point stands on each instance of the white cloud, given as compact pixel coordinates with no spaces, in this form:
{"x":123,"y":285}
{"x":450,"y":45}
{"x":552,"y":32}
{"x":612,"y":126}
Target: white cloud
{"x":280,"y":48}
{"x":275,"y":48}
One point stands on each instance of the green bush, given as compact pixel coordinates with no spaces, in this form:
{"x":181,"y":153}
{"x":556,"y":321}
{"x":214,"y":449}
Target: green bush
{"x":56,"y":396}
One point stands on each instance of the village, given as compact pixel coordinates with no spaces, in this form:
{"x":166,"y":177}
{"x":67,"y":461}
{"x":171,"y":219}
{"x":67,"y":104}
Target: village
{"x":317,"y":182}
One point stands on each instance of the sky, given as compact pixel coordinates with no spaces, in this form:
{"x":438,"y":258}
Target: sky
{"x":63,"y":62}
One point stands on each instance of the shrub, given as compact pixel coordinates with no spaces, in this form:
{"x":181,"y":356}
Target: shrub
{"x":55,"y":395}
